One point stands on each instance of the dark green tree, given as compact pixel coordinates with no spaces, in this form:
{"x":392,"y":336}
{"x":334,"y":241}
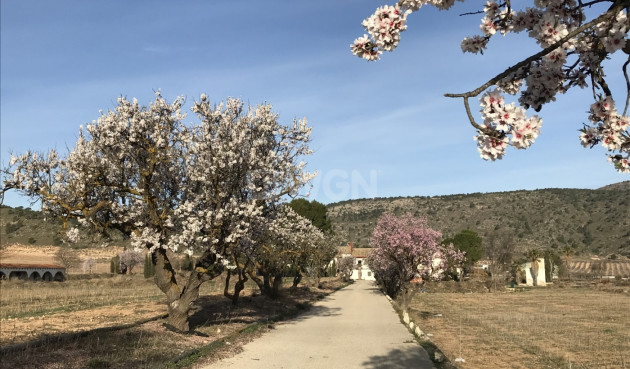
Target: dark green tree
{"x":114,"y":265}
{"x":314,"y":211}
{"x":469,"y":242}
{"x":187,"y":263}
{"x":149,"y":268}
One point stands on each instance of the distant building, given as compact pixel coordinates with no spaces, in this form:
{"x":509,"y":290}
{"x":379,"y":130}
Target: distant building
{"x":482,"y":264}
{"x":361,"y":269}
{"x":33,"y":272}
{"x":526,"y":274}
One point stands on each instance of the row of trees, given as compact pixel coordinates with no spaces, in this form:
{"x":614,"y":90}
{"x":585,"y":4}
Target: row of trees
{"x":215,"y":187}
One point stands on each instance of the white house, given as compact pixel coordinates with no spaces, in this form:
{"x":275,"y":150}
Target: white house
{"x":361,"y":270}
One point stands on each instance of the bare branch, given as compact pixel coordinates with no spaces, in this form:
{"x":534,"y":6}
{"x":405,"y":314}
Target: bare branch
{"x":472,"y":13}
{"x":625,"y":74}
{"x":590,"y":3}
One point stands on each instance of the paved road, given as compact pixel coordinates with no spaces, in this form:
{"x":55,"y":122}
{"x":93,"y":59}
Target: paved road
{"x":353,"y":328}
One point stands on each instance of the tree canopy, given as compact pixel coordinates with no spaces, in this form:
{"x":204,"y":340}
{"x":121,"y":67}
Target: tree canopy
{"x":468,"y":242}
{"x":314,"y":211}
{"x":214,"y":187}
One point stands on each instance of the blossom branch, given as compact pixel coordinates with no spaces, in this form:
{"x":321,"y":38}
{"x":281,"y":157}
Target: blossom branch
{"x":493,"y":81}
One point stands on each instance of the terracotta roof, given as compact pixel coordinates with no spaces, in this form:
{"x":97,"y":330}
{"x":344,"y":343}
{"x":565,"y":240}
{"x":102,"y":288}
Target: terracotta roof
{"x":361,"y":252}
{"x":357,"y":252}
{"x":36,"y":266}
{"x":343,"y":250}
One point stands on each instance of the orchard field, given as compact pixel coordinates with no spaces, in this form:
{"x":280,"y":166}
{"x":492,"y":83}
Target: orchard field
{"x":552,"y":327}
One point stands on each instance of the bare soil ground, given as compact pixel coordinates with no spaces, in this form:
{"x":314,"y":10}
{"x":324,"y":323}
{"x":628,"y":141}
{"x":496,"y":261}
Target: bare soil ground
{"x":552,"y":327}
{"x":15,"y":330}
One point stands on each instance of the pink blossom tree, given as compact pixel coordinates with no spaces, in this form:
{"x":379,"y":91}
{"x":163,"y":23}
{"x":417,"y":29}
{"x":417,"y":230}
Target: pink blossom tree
{"x":406,"y":248}
{"x":576,"y":39}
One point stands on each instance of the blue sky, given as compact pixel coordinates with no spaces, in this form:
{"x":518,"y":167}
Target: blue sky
{"x":379,"y":129}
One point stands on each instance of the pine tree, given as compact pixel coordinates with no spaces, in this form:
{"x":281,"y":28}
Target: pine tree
{"x":149,"y":268}
{"x":114,"y":265}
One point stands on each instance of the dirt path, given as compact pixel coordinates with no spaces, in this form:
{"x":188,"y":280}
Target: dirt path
{"x":352,"y":328}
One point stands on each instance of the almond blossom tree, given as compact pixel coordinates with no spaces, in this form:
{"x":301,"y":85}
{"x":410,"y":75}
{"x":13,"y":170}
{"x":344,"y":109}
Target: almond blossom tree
{"x":129,"y":259}
{"x":346,"y":265}
{"x":206,"y":187}
{"x":88,"y":265}
{"x":575,"y":37}
{"x":405,"y":248}
{"x":287,"y":245}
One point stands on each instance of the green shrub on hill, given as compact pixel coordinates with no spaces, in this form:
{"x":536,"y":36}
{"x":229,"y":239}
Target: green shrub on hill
{"x":590,"y":221}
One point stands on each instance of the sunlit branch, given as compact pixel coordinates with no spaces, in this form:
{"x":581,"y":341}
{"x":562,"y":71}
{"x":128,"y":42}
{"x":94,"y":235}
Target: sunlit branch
{"x":625,"y":74}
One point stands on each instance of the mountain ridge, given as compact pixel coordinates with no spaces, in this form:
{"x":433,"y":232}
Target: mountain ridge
{"x":592,"y":221}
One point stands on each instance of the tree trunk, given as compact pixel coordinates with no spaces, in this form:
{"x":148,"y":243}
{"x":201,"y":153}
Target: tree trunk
{"x":238,"y":286}
{"x":262,"y":283}
{"x":405,"y":296}
{"x":252,"y":274}
{"x":226,"y":290}
{"x":179,"y":300}
{"x":296,"y":280}
{"x":277,"y":284}
{"x":267,"y":285}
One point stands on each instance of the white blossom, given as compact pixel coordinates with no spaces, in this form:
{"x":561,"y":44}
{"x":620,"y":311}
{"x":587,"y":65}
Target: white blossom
{"x":573,"y":61}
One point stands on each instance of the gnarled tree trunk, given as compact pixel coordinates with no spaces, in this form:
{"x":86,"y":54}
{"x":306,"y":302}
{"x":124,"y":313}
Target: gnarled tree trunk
{"x":265,"y":283}
{"x":296,"y":280}
{"x":405,"y":295}
{"x":277,"y":284}
{"x":180,"y":299}
{"x":238,"y":286}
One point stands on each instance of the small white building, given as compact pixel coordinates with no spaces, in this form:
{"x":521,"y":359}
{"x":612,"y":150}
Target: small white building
{"x":527,"y":273}
{"x":436,"y":269}
{"x":361,"y":270}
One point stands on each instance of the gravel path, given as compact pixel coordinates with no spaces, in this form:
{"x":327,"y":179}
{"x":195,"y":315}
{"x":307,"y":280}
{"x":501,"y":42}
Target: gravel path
{"x":353,"y":328}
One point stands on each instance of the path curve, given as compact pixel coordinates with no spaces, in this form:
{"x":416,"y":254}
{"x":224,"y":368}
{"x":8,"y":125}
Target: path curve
{"x":355,"y":327}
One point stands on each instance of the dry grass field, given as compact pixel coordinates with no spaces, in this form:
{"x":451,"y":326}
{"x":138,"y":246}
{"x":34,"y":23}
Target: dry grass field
{"x":103,"y":313}
{"x":535,"y":328}
{"x":554,"y":327}
{"x":31,"y":310}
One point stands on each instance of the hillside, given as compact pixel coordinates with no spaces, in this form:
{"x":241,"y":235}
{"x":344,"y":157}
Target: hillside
{"x":593,"y":222}
{"x":28,"y":227}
